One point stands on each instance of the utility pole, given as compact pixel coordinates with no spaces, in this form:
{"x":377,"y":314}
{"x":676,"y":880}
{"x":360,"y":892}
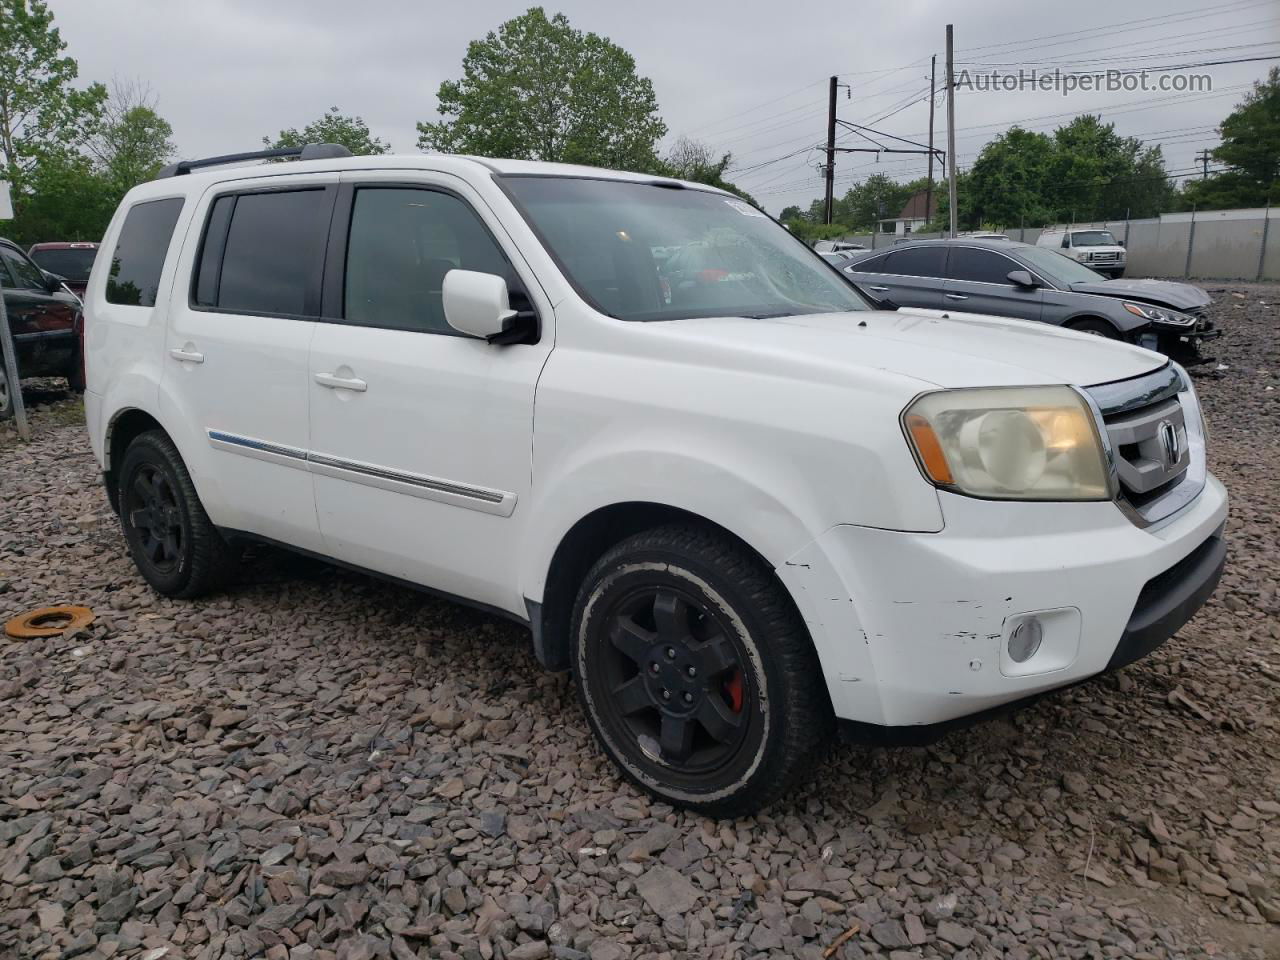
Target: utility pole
{"x":1203,"y":158}
{"x":951,"y":129}
{"x":831,"y":150}
{"x":928,"y":191}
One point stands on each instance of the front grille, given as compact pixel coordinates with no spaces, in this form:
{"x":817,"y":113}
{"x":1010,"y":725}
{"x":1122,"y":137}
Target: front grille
{"x":1104,"y":257}
{"x":1152,"y":424}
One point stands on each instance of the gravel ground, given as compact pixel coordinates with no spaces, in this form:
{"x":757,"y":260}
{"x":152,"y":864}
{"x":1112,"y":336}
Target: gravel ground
{"x":318,"y":765}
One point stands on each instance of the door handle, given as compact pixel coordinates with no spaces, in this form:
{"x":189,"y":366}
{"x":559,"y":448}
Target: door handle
{"x":879,"y":289}
{"x":956,"y":296}
{"x":187,"y":355}
{"x":341,"y":383}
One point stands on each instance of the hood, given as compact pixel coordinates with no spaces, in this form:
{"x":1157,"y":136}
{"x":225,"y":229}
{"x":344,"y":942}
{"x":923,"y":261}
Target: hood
{"x":1166,"y":293}
{"x":935,"y":347}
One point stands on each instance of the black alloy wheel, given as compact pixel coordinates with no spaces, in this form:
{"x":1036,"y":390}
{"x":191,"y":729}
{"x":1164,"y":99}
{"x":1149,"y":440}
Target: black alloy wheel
{"x":696,"y":671}
{"x":153,"y":512}
{"x":175,"y":546}
{"x":675,"y":679}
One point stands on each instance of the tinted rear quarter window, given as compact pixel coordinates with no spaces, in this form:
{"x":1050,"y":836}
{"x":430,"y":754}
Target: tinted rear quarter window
{"x":262,"y":252}
{"x":919,"y":262}
{"x":138,"y":259}
{"x":979,"y":266}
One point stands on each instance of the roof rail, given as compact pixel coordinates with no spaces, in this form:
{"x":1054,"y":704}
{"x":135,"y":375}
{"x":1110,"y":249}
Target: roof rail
{"x":312,"y":151}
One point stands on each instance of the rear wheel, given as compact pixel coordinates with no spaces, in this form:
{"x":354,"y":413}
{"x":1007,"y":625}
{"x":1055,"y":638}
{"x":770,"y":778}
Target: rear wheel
{"x":696,"y":673}
{"x":6,"y":393}
{"x":1098,"y":328}
{"x":174,"y":545}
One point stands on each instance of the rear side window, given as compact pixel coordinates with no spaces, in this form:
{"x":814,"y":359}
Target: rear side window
{"x":980,"y":266}
{"x":870,"y":265}
{"x":262,"y":253}
{"x":401,"y":243}
{"x":138,"y":260}
{"x":919,"y":262}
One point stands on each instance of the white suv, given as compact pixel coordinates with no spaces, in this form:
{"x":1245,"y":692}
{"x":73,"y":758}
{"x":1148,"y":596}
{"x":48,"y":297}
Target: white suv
{"x":745,"y":509}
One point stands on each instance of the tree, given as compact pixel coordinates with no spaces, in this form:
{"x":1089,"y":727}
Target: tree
{"x":40,"y":110}
{"x":690,"y":160}
{"x":876,"y":198}
{"x":791,"y":213}
{"x":351,"y":132}
{"x":1251,"y":148}
{"x":66,"y":198}
{"x":133,"y":141}
{"x":1009,"y":181}
{"x":538,"y":89}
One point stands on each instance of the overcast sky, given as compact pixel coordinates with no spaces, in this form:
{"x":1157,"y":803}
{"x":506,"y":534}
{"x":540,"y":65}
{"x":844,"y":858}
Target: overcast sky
{"x":748,"y":77}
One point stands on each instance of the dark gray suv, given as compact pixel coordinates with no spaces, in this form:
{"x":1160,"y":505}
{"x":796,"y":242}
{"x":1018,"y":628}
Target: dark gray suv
{"x":1008,"y":279}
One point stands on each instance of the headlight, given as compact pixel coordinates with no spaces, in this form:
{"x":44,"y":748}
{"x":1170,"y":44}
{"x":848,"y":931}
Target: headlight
{"x":1009,"y":443}
{"x":1160,"y":314}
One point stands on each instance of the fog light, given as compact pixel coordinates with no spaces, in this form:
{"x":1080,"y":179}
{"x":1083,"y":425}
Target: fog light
{"x":1025,"y":640}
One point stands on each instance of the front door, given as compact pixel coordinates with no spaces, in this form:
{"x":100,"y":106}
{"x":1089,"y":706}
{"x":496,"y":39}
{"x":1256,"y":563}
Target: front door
{"x":236,"y":362}
{"x":978,"y":282}
{"x":421,"y":437}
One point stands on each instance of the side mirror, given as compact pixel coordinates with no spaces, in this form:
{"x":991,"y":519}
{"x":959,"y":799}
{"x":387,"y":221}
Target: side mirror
{"x":1120,"y":243}
{"x":1022,"y":278}
{"x":52,"y":282}
{"x":477,"y":303}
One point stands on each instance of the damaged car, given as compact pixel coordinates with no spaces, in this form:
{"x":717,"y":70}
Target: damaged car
{"x":1007,"y":279}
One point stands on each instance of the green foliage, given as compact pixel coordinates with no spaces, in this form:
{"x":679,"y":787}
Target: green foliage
{"x":538,"y":89}
{"x":44,"y":119}
{"x":66,"y":198}
{"x":40,"y":111}
{"x":1009,"y":179}
{"x":694,"y":161}
{"x":879,"y":197}
{"x":351,"y":132}
{"x":810,"y":230}
{"x":1251,"y":147}
{"x":132,"y":141}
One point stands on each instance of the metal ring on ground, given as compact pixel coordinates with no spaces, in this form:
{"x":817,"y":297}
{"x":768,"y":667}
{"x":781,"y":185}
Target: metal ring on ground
{"x":48,"y":622}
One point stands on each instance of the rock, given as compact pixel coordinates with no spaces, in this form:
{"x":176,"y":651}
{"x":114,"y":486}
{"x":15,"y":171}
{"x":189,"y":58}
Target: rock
{"x":666,"y":892}
{"x":533,"y":950}
{"x":119,"y":906}
{"x":228,"y":718}
{"x":47,"y":870}
{"x":1163,"y":871}
{"x":955,"y":934}
{"x":1075,"y":783}
{"x":890,"y":933}
{"x":343,"y":874}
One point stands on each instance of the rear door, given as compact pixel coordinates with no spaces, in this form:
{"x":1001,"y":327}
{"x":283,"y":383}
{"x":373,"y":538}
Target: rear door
{"x":236,"y":372}
{"x":421,"y":436}
{"x":978,"y":282}
{"x":910,"y":277}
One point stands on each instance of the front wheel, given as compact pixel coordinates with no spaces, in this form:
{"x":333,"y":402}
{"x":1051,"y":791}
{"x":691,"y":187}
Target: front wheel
{"x":1097,"y":328}
{"x":696,"y":672}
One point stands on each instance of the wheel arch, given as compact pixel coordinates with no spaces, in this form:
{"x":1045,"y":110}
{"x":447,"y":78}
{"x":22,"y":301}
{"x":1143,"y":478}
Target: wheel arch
{"x":578,"y":550}
{"x":125,"y":425}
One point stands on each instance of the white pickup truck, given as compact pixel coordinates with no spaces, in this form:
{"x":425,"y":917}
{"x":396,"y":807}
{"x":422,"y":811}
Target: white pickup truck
{"x":744,"y":508}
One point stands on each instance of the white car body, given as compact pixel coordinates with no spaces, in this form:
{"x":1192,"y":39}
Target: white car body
{"x":464,"y":465}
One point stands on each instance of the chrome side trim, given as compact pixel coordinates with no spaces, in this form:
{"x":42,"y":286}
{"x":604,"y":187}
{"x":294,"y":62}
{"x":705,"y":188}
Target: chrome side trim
{"x":256,"y":449}
{"x":484,"y":499}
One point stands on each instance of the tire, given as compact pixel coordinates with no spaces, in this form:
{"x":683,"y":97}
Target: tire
{"x":6,"y":393}
{"x":173,"y":543}
{"x":680,"y":631}
{"x":1098,"y":328}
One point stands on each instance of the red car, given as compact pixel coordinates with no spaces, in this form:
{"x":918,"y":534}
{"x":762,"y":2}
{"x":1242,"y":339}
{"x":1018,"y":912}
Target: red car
{"x":45,"y":321}
{"x":70,"y":261}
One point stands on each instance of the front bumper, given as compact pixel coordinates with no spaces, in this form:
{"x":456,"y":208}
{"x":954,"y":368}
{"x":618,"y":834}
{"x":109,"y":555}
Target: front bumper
{"x":912,"y":628}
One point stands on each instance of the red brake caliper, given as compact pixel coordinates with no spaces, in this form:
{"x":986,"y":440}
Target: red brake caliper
{"x":733,"y":689}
